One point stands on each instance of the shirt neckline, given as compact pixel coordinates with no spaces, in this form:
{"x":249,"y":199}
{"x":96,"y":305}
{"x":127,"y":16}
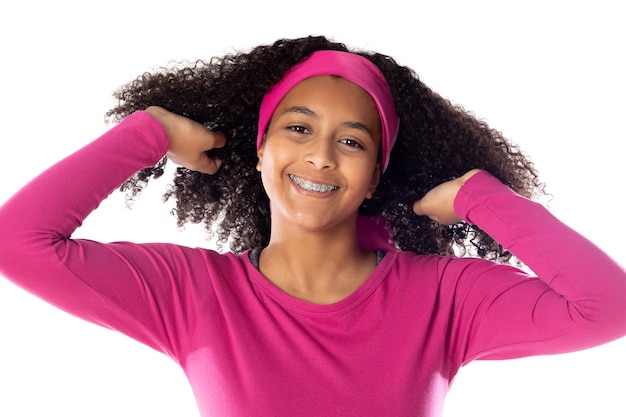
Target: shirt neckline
{"x":347,"y":304}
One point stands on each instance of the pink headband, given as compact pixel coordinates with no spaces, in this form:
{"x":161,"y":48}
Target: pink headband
{"x":349,"y":66}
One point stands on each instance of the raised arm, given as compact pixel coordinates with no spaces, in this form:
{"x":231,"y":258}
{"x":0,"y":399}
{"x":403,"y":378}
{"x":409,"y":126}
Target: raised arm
{"x":578,"y":300}
{"x":119,"y":285}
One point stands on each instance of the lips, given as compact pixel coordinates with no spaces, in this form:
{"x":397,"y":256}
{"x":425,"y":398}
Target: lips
{"x":312,"y":186}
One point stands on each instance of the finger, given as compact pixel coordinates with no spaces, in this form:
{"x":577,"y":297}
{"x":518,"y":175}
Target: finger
{"x":445,"y":217}
{"x":207,"y":164}
{"x":418,"y":209}
{"x":218,"y":139}
{"x":202,"y":138}
{"x":204,"y":164}
{"x":210,"y":165}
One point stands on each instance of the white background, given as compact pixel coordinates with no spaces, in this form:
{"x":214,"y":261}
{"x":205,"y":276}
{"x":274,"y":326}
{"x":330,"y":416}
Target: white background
{"x":549,"y":74}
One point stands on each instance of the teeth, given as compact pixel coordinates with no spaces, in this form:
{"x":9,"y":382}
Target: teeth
{"x":311,"y":186}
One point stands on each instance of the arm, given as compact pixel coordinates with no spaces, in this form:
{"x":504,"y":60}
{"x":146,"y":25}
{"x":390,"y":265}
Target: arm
{"x":579,"y":300}
{"x":117,"y":285}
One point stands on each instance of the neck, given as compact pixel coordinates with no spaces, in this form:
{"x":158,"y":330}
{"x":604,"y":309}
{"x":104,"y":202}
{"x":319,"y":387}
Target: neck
{"x":320,"y":267}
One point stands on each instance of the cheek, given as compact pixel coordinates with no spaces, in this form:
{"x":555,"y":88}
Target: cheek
{"x":268,"y":167}
{"x":365,"y":173}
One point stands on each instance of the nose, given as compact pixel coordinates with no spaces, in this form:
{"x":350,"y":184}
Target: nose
{"x":321,"y":153}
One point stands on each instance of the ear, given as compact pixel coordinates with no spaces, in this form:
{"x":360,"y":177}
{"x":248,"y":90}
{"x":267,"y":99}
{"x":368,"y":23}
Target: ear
{"x":259,"y":154}
{"x":374,"y":181}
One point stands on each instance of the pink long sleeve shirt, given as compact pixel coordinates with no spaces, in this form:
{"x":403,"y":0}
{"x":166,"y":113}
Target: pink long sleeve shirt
{"x":391,"y":348}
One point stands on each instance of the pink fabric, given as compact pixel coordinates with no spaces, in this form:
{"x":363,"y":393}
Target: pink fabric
{"x":391,"y":348}
{"x":375,"y":232}
{"x":352,"y":67}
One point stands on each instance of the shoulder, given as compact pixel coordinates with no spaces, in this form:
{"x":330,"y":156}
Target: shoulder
{"x":414,"y":269}
{"x":440,"y":267}
{"x":196,"y":264}
{"x":226,"y":263}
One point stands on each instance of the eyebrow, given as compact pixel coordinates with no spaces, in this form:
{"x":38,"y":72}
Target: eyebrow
{"x":308,"y":112}
{"x":302,"y":110}
{"x":359,"y":126}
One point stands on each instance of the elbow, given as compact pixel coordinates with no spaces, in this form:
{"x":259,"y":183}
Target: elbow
{"x":604,"y":317}
{"x":23,"y":250}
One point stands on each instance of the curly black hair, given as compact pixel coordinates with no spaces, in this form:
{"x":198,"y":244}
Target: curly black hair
{"x":437,"y":141}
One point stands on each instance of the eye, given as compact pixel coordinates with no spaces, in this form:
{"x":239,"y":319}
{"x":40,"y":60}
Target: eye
{"x":298,"y":129}
{"x":351,"y":143}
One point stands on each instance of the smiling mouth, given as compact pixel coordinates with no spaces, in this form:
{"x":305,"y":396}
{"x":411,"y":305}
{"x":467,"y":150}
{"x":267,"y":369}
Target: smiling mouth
{"x":311,"y":186}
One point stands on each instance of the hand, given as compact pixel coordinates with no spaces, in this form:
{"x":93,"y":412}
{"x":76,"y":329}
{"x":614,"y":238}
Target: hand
{"x":438,"y":203}
{"x":189,"y":141}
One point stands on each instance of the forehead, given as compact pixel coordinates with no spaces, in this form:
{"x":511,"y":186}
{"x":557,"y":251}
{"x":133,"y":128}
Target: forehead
{"x":329,"y":82}
{"x":330,"y":90}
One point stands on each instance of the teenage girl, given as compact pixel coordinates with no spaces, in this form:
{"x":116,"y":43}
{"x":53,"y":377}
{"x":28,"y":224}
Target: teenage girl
{"x":369,"y":223}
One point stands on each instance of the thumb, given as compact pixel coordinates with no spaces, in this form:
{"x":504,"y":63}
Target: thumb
{"x":207,"y":164}
{"x":418,"y":208}
{"x":438,"y":203}
{"x":436,"y":212}
{"x":210,"y":164}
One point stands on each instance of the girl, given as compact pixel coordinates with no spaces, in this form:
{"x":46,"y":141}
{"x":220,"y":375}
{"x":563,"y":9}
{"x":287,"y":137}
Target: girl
{"x":348,"y":193}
